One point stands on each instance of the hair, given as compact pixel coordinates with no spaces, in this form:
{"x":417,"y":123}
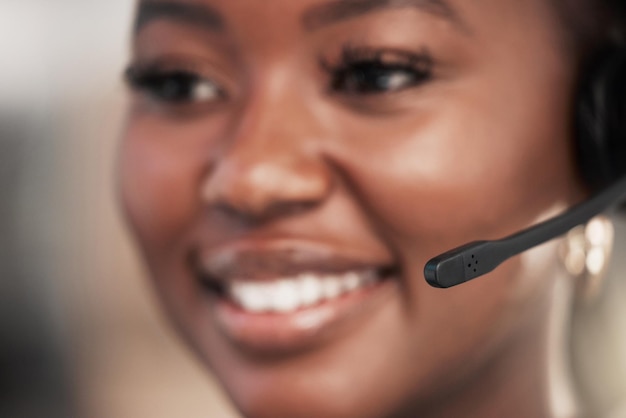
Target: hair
{"x":595,"y":30}
{"x":590,"y":23}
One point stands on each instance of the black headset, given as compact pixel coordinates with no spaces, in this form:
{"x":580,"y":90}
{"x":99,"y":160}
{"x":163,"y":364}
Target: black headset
{"x":600,"y":141}
{"x":601,"y":119}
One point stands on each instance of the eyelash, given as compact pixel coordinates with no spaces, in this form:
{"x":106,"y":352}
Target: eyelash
{"x":366,"y":71}
{"x":359,"y":71}
{"x":176,"y":86}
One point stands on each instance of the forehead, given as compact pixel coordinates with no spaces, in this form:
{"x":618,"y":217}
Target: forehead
{"x":487,"y":17}
{"x":487,"y":25}
{"x":312,"y":14}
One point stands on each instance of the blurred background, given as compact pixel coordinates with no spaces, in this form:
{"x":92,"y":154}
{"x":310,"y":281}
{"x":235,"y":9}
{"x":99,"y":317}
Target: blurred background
{"x":80,"y":334}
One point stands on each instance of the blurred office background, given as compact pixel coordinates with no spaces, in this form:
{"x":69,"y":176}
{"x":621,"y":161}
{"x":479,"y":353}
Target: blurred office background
{"x":80,"y":335}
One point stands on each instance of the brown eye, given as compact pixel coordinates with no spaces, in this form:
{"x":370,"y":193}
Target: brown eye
{"x":374,"y":77}
{"x":174,"y":87}
{"x":369,"y":71}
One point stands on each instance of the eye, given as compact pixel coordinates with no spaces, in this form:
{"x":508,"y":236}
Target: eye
{"x":367,"y":72}
{"x":370,"y":78}
{"x":173,"y":86}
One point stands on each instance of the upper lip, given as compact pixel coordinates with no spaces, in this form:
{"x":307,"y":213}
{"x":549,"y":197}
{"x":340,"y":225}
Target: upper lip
{"x":272,"y":260}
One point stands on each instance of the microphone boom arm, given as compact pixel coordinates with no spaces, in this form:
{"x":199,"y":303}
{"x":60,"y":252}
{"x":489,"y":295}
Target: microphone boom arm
{"x":477,"y":258}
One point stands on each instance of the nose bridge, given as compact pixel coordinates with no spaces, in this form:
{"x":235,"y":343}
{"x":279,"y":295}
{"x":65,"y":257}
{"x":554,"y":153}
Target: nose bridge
{"x":271,"y":163}
{"x":272,"y":122}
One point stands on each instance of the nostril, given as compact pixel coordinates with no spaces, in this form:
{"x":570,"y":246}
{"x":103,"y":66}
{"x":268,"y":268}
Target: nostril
{"x":257,"y":190}
{"x":265,"y":213}
{"x":283,"y":209}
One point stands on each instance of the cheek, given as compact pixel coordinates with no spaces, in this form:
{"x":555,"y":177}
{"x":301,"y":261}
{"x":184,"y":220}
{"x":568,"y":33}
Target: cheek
{"x":160,"y":167}
{"x":157,"y":184}
{"x":469,"y":168}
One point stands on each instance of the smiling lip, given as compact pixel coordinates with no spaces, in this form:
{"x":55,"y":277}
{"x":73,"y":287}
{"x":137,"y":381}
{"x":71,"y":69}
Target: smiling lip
{"x":270,"y":321}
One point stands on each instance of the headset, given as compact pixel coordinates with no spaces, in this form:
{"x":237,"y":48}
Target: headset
{"x":600,"y":140}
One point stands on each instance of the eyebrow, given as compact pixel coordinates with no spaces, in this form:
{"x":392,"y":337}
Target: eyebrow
{"x":340,"y":10}
{"x":195,"y":14}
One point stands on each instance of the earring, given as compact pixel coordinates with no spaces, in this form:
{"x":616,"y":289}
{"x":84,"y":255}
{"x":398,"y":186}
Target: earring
{"x":586,"y":253}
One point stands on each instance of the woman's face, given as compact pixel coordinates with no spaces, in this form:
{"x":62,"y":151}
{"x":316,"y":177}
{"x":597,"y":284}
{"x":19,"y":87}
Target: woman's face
{"x":289,"y":167}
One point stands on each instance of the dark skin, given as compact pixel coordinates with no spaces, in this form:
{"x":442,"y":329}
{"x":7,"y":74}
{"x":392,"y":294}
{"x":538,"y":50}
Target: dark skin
{"x":468,"y":140}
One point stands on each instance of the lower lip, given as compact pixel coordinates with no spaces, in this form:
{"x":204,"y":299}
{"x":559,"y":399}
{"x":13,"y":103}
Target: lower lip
{"x":300,"y":329}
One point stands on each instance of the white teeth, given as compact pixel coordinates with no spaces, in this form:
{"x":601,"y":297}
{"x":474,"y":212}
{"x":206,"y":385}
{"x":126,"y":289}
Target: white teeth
{"x":350,"y":281}
{"x":251,"y":296}
{"x":285,"y":296}
{"x":331,"y":287}
{"x":288,"y":294}
{"x":310,"y":289}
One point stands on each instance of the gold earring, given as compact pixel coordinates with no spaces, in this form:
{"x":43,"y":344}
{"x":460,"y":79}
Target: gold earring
{"x":585,"y":254}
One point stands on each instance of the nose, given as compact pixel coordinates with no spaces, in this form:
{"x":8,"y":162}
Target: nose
{"x":271,"y":167}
